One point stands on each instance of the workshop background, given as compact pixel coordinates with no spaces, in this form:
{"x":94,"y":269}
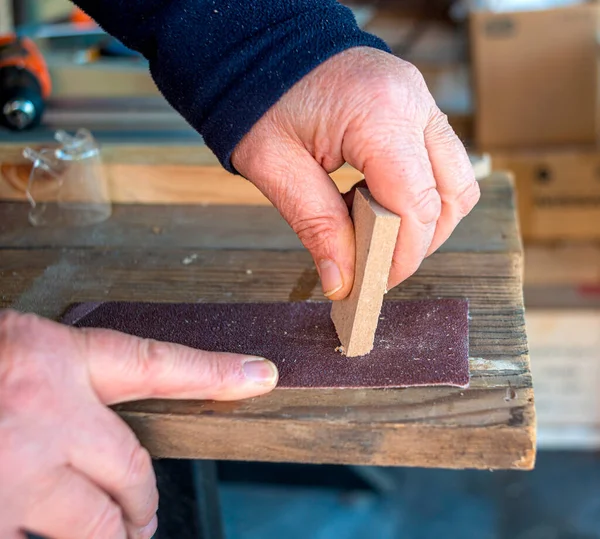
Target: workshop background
{"x":518,"y":80}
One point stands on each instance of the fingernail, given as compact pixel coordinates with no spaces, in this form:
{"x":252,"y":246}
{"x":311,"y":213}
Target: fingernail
{"x":331,"y":277}
{"x":261,"y":371}
{"x":149,"y":529}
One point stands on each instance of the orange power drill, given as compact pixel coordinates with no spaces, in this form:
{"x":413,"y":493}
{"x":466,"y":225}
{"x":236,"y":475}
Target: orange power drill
{"x":24,"y":83}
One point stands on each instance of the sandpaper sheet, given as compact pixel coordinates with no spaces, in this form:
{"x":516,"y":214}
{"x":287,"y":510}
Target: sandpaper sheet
{"x":418,"y":343}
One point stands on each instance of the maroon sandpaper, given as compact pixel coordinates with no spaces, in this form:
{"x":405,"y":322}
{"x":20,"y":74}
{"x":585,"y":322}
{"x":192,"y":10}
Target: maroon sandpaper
{"x":418,"y":343}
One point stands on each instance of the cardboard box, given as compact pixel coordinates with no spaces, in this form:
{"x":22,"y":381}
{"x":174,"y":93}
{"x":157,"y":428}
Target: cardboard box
{"x":558,"y":192}
{"x":565,"y":362}
{"x":535,"y":75}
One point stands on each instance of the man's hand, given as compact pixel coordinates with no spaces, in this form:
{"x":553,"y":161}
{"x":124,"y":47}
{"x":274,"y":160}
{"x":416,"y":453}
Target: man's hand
{"x":69,"y":466}
{"x":373,"y":111}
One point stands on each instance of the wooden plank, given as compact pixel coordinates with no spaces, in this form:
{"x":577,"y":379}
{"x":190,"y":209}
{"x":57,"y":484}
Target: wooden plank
{"x":490,"y":226}
{"x":494,"y":417}
{"x":156,"y":226}
{"x":489,"y":425}
{"x":134,"y":153}
{"x":356,"y":317}
{"x":31,"y":281}
{"x":153,"y":184}
{"x":344,"y":440}
{"x":143,"y":174}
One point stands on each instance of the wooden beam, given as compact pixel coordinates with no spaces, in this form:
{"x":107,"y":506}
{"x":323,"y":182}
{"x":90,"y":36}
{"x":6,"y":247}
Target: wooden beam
{"x":143,"y":178}
{"x":489,"y":425}
{"x":153,"y":184}
{"x":235,"y":225}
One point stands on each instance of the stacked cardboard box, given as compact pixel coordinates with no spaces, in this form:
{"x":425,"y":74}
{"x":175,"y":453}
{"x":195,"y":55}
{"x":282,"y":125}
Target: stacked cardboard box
{"x":535,"y":80}
{"x":535,"y":76}
{"x":562,"y":296}
{"x":558,"y":192}
{"x":565,"y":362}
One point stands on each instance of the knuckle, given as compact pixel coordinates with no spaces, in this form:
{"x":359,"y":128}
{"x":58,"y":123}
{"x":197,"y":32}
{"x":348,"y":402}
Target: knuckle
{"x":13,"y":323}
{"x":7,"y":319}
{"x":327,"y":150}
{"x":409,"y":267}
{"x":148,"y":533}
{"x":403,"y":87}
{"x":414,"y":89}
{"x":413,"y":74}
{"x":315,"y":232}
{"x":139,"y":466}
{"x":22,"y":392}
{"x":22,"y":382}
{"x":402,"y":90}
{"x":157,"y":361}
{"x":11,"y":454}
{"x":468,"y":198}
{"x":439,"y":128}
{"x":146,"y":350}
{"x":138,"y":472}
{"x":402,"y":270}
{"x":108,"y":522}
{"x":427,"y":206}
{"x":148,"y":355}
{"x":218,"y":375}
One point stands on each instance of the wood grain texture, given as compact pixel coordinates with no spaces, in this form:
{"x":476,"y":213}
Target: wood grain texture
{"x":489,"y":425}
{"x":356,"y":317}
{"x":143,"y":174}
{"x":134,"y":153}
{"x":234,"y":225}
{"x":153,"y":184}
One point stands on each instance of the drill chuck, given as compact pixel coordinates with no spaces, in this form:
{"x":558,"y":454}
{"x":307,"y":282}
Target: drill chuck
{"x":19,"y":113}
{"x":24,"y":83}
{"x":21,"y":102}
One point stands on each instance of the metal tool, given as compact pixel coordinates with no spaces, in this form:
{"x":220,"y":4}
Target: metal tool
{"x":25,"y":83}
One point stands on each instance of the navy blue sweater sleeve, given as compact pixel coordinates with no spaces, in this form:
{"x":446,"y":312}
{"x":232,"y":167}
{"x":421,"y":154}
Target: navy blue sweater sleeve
{"x":223,"y":63}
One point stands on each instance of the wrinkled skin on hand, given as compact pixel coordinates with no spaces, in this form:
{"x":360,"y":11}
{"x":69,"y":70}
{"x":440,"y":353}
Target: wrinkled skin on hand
{"x":69,"y":466}
{"x":371,"y":110}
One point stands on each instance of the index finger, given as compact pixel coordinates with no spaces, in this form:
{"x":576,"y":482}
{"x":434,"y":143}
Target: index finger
{"x":124,"y":368}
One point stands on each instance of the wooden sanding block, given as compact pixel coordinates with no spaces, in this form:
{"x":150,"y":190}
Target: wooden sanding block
{"x":356,"y":317}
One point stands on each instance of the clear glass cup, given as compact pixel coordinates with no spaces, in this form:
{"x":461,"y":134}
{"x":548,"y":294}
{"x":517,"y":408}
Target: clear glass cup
{"x":67,"y":185}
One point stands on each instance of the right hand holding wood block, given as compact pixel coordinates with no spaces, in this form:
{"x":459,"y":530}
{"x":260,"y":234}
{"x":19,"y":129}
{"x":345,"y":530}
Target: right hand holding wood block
{"x":372,"y":110}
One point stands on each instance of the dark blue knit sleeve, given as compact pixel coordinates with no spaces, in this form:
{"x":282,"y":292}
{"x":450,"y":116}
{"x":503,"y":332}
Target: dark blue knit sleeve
{"x":223,"y":63}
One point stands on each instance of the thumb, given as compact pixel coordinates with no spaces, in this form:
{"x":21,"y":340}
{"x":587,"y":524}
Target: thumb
{"x":125,"y":368}
{"x":310,"y":202}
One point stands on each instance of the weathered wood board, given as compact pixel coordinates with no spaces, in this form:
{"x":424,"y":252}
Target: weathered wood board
{"x":248,"y":254}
